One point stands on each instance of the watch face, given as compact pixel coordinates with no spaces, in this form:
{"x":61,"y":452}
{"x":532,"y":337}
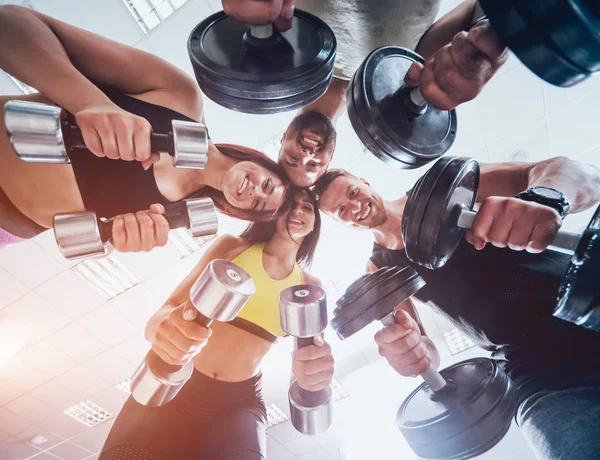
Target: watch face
{"x":548,"y":193}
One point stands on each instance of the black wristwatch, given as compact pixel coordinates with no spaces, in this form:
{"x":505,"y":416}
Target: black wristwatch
{"x":548,"y":197}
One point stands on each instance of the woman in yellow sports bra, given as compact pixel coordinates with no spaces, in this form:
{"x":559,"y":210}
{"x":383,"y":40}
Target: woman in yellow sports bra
{"x":219,"y":414}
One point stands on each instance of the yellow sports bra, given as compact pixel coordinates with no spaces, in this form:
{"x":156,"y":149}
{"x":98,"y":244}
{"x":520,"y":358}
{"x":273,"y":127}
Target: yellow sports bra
{"x":260,"y":315}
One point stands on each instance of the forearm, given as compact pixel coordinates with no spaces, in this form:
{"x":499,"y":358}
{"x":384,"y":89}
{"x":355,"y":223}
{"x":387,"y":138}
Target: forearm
{"x":444,"y":29}
{"x":332,"y":104}
{"x":40,"y":60}
{"x":578,"y":181}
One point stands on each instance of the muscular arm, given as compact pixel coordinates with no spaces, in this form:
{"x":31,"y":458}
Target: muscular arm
{"x":225,"y":247}
{"x":332,"y":104}
{"x":578,"y":181}
{"x":443,"y":30}
{"x":65,"y":63}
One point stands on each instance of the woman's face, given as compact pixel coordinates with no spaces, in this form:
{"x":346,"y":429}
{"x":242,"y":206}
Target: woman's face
{"x":300,"y":220}
{"x":248,"y":185}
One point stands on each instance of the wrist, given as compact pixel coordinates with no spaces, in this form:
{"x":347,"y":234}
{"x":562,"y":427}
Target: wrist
{"x":547,"y":196}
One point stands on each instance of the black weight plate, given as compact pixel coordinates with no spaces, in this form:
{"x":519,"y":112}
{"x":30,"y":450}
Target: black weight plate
{"x":578,"y":292}
{"x":537,"y":54}
{"x":466,"y":418}
{"x":298,"y":62}
{"x":360,"y":286}
{"x":571,"y":28}
{"x":377,"y":302}
{"x":429,"y":222}
{"x":379,"y":115}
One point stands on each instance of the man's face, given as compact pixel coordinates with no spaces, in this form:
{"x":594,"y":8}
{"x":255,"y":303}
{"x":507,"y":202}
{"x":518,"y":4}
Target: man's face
{"x":307,"y":148}
{"x":352,"y":201}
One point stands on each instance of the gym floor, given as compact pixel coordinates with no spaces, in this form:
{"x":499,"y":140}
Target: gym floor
{"x":84,"y":343}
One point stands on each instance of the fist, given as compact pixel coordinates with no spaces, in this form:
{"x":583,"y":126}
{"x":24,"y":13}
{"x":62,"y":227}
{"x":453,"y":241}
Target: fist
{"x":178,"y":337}
{"x":141,"y":231}
{"x":313,"y":366}
{"x":402,"y":345}
{"x":111,"y":132}
{"x":514,"y":223}
{"x":260,"y":12}
{"x":458,"y":72}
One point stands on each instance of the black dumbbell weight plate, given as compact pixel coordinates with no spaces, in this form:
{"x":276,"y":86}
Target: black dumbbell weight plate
{"x":377,"y":302}
{"x":377,"y":109}
{"x":570,"y":26}
{"x":529,"y":46}
{"x":429,"y":221}
{"x":361,"y":285}
{"x":292,"y":71}
{"x":463,"y":420}
{"x":579,"y":292}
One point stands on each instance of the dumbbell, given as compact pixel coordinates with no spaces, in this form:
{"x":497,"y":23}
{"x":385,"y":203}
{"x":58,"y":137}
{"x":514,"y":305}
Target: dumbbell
{"x":258,"y":69}
{"x":303,"y":315}
{"x":219,"y":294}
{"x":439,"y":209}
{"x":39,"y":133}
{"x":558,"y":40}
{"x":457,"y":413}
{"x":83,"y":234}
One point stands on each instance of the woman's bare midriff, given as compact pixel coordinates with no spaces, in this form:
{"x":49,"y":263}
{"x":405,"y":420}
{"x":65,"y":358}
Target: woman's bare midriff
{"x":231,"y":354}
{"x":37,"y":190}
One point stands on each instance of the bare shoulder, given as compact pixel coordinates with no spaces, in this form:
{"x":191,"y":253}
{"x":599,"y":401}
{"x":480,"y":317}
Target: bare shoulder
{"x":229,"y":246}
{"x":311,"y":279}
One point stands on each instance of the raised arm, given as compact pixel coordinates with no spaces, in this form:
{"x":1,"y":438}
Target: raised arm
{"x":65,"y":63}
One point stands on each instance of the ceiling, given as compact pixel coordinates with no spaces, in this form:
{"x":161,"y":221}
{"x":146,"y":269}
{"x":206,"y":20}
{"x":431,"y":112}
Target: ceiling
{"x":83,"y":344}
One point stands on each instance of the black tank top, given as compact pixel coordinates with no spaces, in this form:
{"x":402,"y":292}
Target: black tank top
{"x":503,"y":301}
{"x":112,"y":187}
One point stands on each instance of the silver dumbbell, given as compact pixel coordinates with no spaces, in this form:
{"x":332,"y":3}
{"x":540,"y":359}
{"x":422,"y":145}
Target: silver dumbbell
{"x":219,"y":294}
{"x":82,"y":234}
{"x":303,"y":315}
{"x":40,"y":133}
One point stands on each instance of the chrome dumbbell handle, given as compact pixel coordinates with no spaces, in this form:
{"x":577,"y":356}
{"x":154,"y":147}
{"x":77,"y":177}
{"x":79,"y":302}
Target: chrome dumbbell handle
{"x":431,"y":376}
{"x":565,"y":242}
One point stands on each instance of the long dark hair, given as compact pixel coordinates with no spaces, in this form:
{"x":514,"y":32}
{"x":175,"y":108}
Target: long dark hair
{"x":261,"y":232}
{"x":240,"y":153}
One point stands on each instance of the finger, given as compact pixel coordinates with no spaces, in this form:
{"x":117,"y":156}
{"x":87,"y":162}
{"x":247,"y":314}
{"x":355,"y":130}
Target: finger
{"x":410,"y":356}
{"x":109,"y":142}
{"x":141,"y":141}
{"x":284,"y":21}
{"x":449,"y":78}
{"x":318,"y":340}
{"x":400,"y":346}
{"x":417,"y":368}
{"x":169,"y":354}
{"x":191,"y":329}
{"x":478,"y":243}
{"x":404,"y":325}
{"x":311,"y":352}
{"x":520,"y":234}
{"x":254,"y":12}
{"x":119,"y":235}
{"x":541,"y":236}
{"x":485,"y":39}
{"x":124,"y":140}
{"x":312,"y":367}
{"x":432,"y":92}
{"x":471,"y":62}
{"x":132,"y":230}
{"x":146,"y":225}
{"x":92,"y":140}
{"x":185,"y":345}
{"x":317,"y":381}
{"x":161,"y":229}
{"x":483,"y":221}
{"x":153,"y":159}
{"x":501,"y":228}
{"x":413,"y":76}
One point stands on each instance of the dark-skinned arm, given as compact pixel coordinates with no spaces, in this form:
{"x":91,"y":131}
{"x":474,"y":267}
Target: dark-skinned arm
{"x":580,"y":182}
{"x":65,"y":63}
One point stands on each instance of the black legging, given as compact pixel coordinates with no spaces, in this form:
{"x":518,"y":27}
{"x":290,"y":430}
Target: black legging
{"x":208,"y":419}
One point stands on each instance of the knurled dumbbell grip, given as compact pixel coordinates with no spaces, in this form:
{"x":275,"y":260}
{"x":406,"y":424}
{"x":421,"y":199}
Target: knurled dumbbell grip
{"x":175,"y":220}
{"x":431,"y":376}
{"x":563,"y":241}
{"x":74,"y":140}
{"x":161,"y":367}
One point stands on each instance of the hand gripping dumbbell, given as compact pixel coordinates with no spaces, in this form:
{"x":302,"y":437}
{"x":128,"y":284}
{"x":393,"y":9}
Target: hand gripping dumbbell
{"x":83,"y":234}
{"x":258,"y":69}
{"x":303,"y":315}
{"x":219,"y":294}
{"x":40,"y":133}
{"x":459,"y":412}
{"x":439,"y":209}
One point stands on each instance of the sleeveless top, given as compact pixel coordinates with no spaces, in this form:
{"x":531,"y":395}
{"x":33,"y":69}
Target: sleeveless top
{"x":360,"y":26}
{"x":260,"y":315}
{"x":503,"y":300}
